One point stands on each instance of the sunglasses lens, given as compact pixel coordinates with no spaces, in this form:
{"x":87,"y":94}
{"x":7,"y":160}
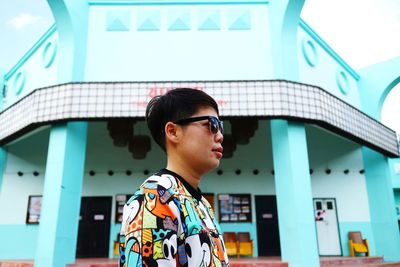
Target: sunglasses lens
{"x":214,"y":128}
{"x":216,"y":125}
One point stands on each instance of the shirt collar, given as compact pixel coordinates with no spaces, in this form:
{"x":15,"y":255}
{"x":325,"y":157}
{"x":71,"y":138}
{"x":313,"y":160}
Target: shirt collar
{"x":195,"y":192}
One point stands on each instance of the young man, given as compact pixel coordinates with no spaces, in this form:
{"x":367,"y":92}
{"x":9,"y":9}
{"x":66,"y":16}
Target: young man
{"x":168,"y":222}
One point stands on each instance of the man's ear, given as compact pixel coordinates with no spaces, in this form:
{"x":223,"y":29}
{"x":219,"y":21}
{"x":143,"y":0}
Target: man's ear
{"x":171,"y":132}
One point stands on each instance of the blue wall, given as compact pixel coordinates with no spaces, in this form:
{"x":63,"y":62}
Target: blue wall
{"x":325,"y":150}
{"x":18,"y":241}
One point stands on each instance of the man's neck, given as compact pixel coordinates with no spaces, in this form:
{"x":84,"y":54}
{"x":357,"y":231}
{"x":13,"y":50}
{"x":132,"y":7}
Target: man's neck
{"x":186,"y":173}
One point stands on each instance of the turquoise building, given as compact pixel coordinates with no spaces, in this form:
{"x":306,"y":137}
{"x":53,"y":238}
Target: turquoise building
{"x":306,"y":157}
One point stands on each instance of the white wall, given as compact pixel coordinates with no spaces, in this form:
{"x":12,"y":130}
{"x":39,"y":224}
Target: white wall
{"x":166,"y":55}
{"x":36,"y":70}
{"x":325,"y":71}
{"x":327,"y":151}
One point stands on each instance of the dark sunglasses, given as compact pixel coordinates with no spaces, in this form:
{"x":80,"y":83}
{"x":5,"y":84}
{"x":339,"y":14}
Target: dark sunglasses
{"x":215,"y":124}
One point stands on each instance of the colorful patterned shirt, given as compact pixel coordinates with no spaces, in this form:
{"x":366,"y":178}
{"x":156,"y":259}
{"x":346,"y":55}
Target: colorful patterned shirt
{"x":169,"y":223}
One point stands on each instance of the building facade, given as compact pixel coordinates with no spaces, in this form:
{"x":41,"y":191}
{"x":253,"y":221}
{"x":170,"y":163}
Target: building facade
{"x":307,"y":159}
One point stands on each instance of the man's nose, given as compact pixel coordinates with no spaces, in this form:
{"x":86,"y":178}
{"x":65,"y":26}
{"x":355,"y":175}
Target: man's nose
{"x":219,"y":137}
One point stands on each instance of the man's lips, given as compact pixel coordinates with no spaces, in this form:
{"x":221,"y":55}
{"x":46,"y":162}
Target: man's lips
{"x":218,"y":151}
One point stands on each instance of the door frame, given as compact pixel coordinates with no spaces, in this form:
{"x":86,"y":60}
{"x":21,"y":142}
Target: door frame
{"x":337,"y":223}
{"x":277,"y":221}
{"x":109,"y":222}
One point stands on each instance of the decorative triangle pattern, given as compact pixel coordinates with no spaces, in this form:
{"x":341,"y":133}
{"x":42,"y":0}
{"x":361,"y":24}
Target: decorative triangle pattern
{"x":179,"y":21}
{"x":179,"y":25}
{"x":212,"y":22}
{"x":117,"y":25}
{"x":118,"y":21}
{"x":148,"y":21}
{"x":149,"y":25}
{"x":241,"y":22}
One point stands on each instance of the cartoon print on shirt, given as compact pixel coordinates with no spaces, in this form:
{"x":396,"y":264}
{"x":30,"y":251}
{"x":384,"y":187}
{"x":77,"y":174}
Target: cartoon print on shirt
{"x":165,"y":224}
{"x":169,"y":249}
{"x":198,"y":250}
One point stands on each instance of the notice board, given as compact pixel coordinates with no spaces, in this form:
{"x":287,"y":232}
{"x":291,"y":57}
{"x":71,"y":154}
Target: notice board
{"x":234,"y":207}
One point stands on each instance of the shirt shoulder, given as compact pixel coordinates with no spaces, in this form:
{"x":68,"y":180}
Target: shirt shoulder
{"x":159,"y":184}
{"x":164,"y":183}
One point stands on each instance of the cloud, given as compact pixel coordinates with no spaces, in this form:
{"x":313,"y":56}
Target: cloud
{"x":23,"y":20}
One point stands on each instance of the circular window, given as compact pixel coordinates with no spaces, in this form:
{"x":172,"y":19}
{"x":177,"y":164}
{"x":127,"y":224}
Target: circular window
{"x":309,"y":52}
{"x":49,"y":53}
{"x":19,"y":82}
{"x":342,"y":82}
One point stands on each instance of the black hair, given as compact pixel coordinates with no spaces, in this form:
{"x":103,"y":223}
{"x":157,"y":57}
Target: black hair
{"x":176,"y":104}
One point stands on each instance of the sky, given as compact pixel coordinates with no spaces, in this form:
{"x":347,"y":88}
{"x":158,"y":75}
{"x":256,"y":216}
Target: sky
{"x":362,"y":32}
{"x":22,"y":23}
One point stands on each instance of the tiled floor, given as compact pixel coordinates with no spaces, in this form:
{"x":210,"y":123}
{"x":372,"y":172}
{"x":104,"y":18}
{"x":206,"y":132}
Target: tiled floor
{"x":242,"y":262}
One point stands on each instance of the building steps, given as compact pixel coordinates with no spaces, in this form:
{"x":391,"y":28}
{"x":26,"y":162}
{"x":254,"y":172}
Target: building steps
{"x":356,"y":262}
{"x":234,"y":262}
{"x":16,"y":263}
{"x":382,"y":264}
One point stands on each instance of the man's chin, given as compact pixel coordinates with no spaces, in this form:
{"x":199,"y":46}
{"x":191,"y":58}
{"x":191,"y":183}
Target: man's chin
{"x":212,"y":166}
{"x":216,"y":165}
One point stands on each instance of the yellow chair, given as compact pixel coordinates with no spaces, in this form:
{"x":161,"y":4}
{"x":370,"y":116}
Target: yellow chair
{"x":116,"y":247}
{"x":231,"y":245}
{"x":245,"y":244}
{"x":357,"y":244}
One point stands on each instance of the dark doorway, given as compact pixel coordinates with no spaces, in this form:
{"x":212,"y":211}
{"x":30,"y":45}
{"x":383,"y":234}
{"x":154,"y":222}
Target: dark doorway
{"x":267,"y":226}
{"x":94,"y":227}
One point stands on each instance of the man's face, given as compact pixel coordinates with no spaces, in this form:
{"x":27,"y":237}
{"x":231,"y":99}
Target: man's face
{"x":199,"y":147}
